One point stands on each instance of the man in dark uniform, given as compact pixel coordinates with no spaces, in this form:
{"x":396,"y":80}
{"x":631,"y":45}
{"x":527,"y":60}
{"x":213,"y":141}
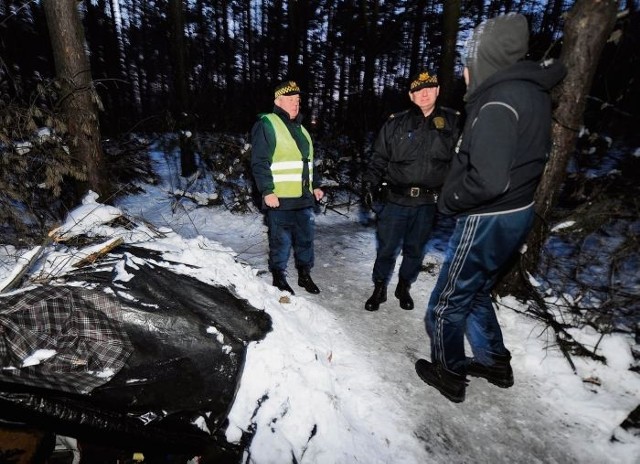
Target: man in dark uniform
{"x":282,"y":166}
{"x":491,"y":186}
{"x":411,"y":156}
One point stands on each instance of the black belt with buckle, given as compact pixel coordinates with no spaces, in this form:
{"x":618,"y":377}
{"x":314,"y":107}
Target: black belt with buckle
{"x":413,"y":192}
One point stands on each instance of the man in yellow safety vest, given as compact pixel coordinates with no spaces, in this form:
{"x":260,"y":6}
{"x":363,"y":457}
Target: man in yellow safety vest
{"x":282,"y":166}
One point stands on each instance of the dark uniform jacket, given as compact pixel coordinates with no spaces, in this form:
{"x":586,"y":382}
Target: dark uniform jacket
{"x":505,"y":143}
{"x":263,"y":141}
{"x":412,"y":154}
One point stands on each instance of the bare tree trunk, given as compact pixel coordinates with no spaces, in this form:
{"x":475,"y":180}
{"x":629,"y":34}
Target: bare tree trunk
{"x":179,"y":57}
{"x":480,"y":7}
{"x":134,"y":71}
{"x":416,"y":33}
{"x":446,"y":75}
{"x":327,"y":117}
{"x":550,"y":17}
{"x":304,"y":74}
{"x":79,"y":100}
{"x":180,"y":106}
{"x":229,"y":50}
{"x":587,"y":28}
{"x":370,"y":13}
{"x":342,"y":85}
{"x":293,"y":48}
{"x":248,"y":39}
{"x":275,"y":31}
{"x":117,"y":24}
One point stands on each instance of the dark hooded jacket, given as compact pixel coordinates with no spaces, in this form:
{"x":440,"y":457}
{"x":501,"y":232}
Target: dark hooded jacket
{"x":505,"y":143}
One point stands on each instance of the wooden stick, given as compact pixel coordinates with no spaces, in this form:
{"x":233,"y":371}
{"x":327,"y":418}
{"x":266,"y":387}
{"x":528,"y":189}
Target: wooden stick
{"x":93,"y":257}
{"x":17,"y":280}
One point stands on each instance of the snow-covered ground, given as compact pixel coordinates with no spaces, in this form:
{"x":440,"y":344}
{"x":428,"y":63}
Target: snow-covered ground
{"x":333,"y":383}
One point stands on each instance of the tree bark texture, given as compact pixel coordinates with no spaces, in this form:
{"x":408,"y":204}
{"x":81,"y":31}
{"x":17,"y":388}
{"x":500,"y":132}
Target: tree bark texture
{"x":179,"y":52}
{"x":446,"y":74}
{"x":181,"y":108}
{"x":416,"y":36}
{"x":79,"y":100}
{"x":587,"y":28}
{"x":329,"y":81}
{"x":370,"y":12}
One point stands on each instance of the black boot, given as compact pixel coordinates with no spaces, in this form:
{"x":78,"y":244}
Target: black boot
{"x":452,"y":386}
{"x":499,"y":374}
{"x":379,"y":296}
{"x":280,"y":281}
{"x":402,"y":293}
{"x":304,"y":280}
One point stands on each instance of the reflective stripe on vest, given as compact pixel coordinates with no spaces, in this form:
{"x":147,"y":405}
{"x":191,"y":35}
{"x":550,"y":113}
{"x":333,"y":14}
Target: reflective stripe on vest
{"x":286,"y":164}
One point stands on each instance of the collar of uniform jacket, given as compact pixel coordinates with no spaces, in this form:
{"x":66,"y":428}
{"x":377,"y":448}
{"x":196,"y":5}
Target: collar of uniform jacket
{"x":285,"y":116}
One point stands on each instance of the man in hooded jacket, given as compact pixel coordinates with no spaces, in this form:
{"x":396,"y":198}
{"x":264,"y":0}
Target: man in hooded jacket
{"x":498,"y":164}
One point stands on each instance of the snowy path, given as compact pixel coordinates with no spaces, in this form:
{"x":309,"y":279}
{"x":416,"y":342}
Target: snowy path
{"x":492,"y":425}
{"x":549,"y":416}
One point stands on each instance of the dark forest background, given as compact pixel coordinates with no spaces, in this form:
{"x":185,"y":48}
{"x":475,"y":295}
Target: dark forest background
{"x":353,"y":58}
{"x":78,"y":79}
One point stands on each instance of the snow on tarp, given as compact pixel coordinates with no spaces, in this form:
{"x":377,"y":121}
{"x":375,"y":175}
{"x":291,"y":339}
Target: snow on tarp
{"x":187,"y":349}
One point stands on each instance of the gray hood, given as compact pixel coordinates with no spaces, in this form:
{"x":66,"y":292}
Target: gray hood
{"x":495,"y":44}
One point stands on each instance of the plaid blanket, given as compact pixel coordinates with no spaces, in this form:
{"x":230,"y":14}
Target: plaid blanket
{"x":64,"y":338}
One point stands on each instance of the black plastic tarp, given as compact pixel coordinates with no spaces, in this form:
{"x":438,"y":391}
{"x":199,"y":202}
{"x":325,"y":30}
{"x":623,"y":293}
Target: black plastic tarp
{"x":185,"y":343}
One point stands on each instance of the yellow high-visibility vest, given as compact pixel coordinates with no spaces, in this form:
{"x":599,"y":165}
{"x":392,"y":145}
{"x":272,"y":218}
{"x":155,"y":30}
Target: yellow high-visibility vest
{"x":286,"y":164}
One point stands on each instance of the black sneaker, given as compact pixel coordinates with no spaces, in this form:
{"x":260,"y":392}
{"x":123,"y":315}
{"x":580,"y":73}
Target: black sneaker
{"x":500,"y":374}
{"x":451,"y":386}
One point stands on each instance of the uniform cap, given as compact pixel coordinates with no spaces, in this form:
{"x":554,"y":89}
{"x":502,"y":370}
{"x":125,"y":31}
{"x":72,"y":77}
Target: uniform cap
{"x":422,"y":80}
{"x":286,"y":88}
